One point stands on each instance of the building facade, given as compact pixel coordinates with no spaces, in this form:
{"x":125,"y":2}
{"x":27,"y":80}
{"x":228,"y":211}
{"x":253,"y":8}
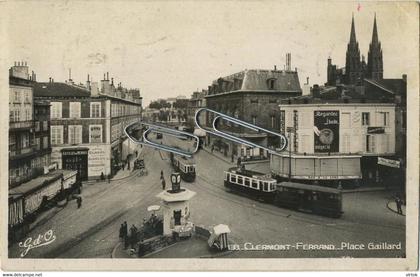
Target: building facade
{"x":332,"y":141}
{"x":87,"y":125}
{"x":27,"y":154}
{"x":252,"y":96}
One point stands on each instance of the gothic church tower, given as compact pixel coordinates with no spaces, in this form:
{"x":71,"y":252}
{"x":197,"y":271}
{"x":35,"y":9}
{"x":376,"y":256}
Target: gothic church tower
{"x":375,"y":63}
{"x":353,"y":65}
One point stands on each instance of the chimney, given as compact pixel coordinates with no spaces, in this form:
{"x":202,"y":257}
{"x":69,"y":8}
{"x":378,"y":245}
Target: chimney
{"x":112,"y":81}
{"x":275,"y":67}
{"x":307,"y":80}
{"x":316,"y":91}
{"x":107,"y":76}
{"x":404,"y":77}
{"x":50,"y":79}
{"x":104,"y":77}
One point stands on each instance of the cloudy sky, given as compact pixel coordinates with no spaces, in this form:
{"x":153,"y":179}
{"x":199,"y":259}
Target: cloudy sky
{"x":173,"y":48}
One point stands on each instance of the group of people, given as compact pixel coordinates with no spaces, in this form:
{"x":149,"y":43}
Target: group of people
{"x":129,"y":238}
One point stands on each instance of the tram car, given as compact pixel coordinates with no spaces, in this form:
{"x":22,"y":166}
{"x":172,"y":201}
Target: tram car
{"x":29,"y":199}
{"x":254,"y":184}
{"x":316,"y":199}
{"x":185,"y":166}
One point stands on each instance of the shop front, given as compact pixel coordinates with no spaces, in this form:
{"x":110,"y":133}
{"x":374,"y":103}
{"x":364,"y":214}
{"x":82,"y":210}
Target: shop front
{"x":76,"y":159}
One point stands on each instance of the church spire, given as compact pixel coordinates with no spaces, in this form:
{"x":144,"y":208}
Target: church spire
{"x":353,"y":65}
{"x":353,"y":31}
{"x":375,"y":62}
{"x":375,"y":39}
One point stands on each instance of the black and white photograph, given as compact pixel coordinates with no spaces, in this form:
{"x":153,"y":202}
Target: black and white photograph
{"x":210,"y":135}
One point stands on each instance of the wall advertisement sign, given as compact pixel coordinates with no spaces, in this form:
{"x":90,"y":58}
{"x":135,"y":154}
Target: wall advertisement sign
{"x":326,"y":131}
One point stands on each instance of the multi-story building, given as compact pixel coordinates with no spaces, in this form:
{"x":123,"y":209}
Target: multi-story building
{"x":26,"y":158}
{"x":252,"y":96}
{"x":87,"y":125}
{"x":42,"y":133}
{"x":337,"y":136}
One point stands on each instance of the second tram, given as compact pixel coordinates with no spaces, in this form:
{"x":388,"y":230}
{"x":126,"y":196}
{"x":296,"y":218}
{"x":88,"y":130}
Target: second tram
{"x":185,"y":166}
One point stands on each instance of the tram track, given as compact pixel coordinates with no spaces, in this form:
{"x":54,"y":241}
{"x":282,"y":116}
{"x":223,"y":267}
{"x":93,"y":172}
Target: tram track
{"x":341,"y":225}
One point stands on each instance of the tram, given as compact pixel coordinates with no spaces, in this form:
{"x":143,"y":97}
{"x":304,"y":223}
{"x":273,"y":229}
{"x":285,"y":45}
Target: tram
{"x":254,"y":184}
{"x":185,"y":166}
{"x":316,"y":199}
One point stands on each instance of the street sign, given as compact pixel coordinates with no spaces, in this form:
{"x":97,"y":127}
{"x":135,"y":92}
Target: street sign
{"x":388,"y":162}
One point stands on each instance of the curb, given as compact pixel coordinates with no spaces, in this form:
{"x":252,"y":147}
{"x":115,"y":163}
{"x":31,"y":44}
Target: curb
{"x":114,"y":250}
{"x":365,"y":190}
{"x":392,"y":210}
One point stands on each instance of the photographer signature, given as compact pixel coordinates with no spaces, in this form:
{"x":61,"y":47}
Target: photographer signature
{"x":42,"y":240}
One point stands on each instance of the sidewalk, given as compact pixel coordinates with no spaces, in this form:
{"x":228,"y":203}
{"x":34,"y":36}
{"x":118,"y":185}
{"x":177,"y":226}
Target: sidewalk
{"x":124,"y":173}
{"x":219,"y":155}
{"x":393,"y":207}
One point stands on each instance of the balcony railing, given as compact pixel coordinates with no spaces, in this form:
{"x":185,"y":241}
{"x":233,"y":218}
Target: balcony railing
{"x":22,"y":152}
{"x":21,"y":124}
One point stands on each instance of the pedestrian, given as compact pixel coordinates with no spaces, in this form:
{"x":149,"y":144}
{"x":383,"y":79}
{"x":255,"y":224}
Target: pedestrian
{"x":163,"y":184}
{"x":109,"y":177}
{"x":398,"y":202}
{"x":125,"y":231}
{"x":79,"y":202}
{"x":212,"y":148}
{"x":232,"y":159}
{"x":121,"y":236}
{"x":161,"y":174}
{"x":102,"y":176}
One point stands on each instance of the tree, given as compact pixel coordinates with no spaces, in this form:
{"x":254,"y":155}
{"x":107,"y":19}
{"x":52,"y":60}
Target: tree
{"x":159,"y":104}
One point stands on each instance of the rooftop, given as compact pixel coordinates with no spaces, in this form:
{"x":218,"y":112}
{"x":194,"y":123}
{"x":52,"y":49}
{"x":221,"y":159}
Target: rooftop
{"x":257,"y":80}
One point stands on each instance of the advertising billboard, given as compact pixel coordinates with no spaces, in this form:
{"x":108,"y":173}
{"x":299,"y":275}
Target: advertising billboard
{"x":326,"y":131}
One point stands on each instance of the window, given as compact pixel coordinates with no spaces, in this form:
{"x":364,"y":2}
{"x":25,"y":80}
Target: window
{"x":246,"y":182}
{"x":75,"y":134}
{"x":37,"y":126}
{"x":16,"y":115}
{"x":27,"y":97}
{"x":365,"y":119}
{"x":271,"y":83}
{"x":17,"y":97}
{"x":95,"y":109}
{"x":265,"y":186}
{"x":254,"y":119}
{"x":45,"y":142}
{"x":240,"y":180}
{"x":45,"y":125}
{"x":370,"y":143}
{"x":38,"y":143}
{"x":56,"y":135}
{"x":345,"y":120}
{"x":28,"y":115}
{"x":385,"y":118}
{"x":74,"y":109}
{"x":56,"y":109}
{"x":272,"y":121}
{"x":255,"y":184}
{"x":25,"y":141}
{"x":95,"y":133}
{"x":233,"y":178}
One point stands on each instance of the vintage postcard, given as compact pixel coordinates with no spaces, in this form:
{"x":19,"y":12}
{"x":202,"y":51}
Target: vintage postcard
{"x":210,"y":135}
